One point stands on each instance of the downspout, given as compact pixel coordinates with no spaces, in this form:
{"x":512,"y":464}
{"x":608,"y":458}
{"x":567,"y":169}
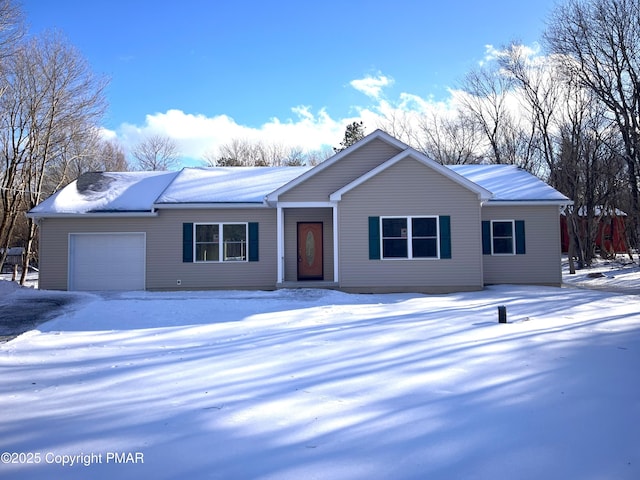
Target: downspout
{"x":336,"y":277}
{"x":280,"y":245}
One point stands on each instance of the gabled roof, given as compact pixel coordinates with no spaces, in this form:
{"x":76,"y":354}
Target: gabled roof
{"x":483,"y":194}
{"x":376,"y":135}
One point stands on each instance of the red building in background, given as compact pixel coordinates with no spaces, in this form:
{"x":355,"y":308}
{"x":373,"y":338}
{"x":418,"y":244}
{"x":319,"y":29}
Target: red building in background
{"x":610,"y":235}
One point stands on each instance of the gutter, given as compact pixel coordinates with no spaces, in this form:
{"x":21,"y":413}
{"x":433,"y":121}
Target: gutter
{"x":209,"y":205}
{"x":529,"y":203}
{"x":122,"y":214}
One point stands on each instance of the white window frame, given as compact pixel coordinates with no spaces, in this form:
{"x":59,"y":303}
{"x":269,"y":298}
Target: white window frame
{"x":409,"y":237}
{"x":513,"y":238}
{"x":222,"y":243}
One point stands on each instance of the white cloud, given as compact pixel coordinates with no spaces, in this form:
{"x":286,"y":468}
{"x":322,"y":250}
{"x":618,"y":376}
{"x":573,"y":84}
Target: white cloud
{"x":372,"y":86}
{"x":197,"y":135}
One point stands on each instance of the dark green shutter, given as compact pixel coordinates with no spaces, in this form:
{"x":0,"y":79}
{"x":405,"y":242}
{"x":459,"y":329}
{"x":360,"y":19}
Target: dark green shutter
{"x":520,"y":241}
{"x":187,"y":242}
{"x":486,"y":237}
{"x":253,"y":242}
{"x":445,"y":236}
{"x":374,"y":238}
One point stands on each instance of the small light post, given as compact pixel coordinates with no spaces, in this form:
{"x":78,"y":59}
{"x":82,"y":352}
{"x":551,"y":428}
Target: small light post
{"x":502,"y":314}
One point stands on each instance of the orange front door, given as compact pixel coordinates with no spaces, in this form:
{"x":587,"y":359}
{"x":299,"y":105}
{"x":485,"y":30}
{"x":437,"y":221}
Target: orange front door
{"x":310,"y":251}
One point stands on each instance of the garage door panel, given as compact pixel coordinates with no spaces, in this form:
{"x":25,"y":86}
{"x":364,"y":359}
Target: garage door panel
{"x":110,"y":261}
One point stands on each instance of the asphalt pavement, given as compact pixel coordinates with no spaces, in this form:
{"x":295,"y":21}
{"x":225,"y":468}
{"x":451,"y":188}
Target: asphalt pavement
{"x":21,"y":313}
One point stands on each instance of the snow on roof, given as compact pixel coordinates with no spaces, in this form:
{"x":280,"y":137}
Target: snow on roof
{"x":107,"y":192}
{"x":227,"y":184}
{"x":141,"y":191}
{"x":509,"y":183}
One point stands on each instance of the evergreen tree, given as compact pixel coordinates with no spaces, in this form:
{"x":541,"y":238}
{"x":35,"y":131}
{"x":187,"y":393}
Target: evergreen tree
{"x":352,"y":134}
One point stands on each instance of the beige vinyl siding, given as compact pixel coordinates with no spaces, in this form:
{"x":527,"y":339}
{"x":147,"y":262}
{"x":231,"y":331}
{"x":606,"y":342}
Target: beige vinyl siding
{"x":163,"y":275}
{"x":54,"y":243}
{"x":325,"y":182}
{"x":291,"y":218}
{"x":410,"y":188}
{"x":164,"y":265}
{"x":541,"y":263}
{"x":52,"y":256}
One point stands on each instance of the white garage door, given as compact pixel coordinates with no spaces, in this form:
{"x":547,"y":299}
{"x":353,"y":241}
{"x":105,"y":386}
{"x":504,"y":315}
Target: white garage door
{"x":107,"y":261}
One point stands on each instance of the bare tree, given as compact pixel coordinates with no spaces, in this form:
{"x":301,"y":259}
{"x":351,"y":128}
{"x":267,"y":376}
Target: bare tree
{"x":11,"y":32}
{"x":487,"y":92}
{"x":403,"y":125}
{"x":243,"y":152}
{"x":98,"y":155}
{"x":450,"y":139}
{"x":51,"y":103}
{"x":584,"y":170}
{"x":315,"y":157}
{"x":156,"y":152}
{"x":540,"y":90}
{"x":600,"y":40}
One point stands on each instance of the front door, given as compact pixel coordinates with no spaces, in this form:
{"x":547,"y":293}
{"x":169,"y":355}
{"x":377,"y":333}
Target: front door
{"x":310,"y":262}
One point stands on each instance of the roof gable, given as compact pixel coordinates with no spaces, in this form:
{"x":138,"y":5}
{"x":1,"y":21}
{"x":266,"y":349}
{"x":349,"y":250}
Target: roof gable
{"x":376,"y":135}
{"x":482,"y":193}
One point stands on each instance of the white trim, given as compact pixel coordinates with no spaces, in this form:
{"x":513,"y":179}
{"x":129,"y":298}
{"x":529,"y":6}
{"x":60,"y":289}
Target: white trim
{"x":526,"y":203}
{"x":92,"y":215}
{"x":280,"y":244}
{"x":221,"y":242}
{"x":513,"y":237}
{"x":280,"y":233}
{"x":183,"y":206}
{"x":483,"y":193}
{"x":335,"y":244}
{"x":306,"y":204}
{"x":409,"y":237}
{"x":376,"y":135}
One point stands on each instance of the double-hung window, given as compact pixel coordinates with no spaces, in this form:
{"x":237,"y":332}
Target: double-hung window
{"x":410,"y":237}
{"x":220,"y":242}
{"x":503,"y":237}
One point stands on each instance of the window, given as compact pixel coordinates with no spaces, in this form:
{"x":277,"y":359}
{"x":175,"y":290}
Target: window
{"x":207,"y":243}
{"x":425,"y":237}
{"x":210,"y":246}
{"x":410,"y":237}
{"x":503,"y":237}
{"x":394,"y":238}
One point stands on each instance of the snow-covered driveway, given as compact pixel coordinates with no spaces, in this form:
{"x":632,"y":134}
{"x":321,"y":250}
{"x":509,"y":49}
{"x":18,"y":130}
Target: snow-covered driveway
{"x":319,"y":384}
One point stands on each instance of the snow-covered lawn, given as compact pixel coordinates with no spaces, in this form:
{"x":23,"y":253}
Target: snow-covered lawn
{"x":316,"y":384}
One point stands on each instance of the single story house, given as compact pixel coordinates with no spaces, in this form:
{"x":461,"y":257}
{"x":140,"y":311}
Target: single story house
{"x":377,"y":217}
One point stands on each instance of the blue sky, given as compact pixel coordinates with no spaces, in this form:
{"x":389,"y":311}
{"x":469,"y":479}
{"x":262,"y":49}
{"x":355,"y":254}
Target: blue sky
{"x":204,"y":71}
